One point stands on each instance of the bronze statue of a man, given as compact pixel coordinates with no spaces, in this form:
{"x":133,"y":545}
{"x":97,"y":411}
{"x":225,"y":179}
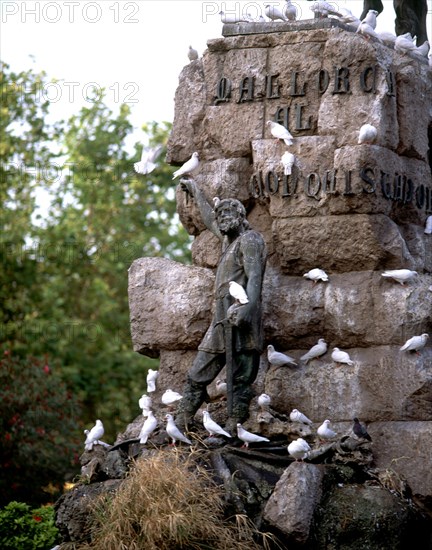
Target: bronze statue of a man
{"x":243,"y":260}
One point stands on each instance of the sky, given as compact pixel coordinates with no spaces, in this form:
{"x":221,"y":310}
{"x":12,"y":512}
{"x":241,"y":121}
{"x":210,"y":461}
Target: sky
{"x":134,"y":49}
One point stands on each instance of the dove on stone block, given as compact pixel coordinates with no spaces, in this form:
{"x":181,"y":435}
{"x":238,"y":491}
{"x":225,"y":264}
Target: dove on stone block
{"x":148,"y":427}
{"x":371,"y":18}
{"x":213,"y":427}
{"x":368,"y":31}
{"x":402,"y":276}
{"x":274,"y":13}
{"x":234,"y":18}
{"x":316,"y":351}
{"x":170,"y":397}
{"x":323,"y":9}
{"x":280,"y":132}
{"x":249,"y":437}
{"x":277,"y":358}
{"x":298,"y":416}
{"x":367,"y":134}
{"x":238,"y":292}
{"x":264,"y":401}
{"x":290,"y":11}
{"x":173,"y":432}
{"x":192,"y":54}
{"x":287,"y":160}
{"x":388,"y":38}
{"x":94,"y":435}
{"x":415,"y":343}
{"x":341,"y":357}
{"x":359,"y":430}
{"x":316,"y":274}
{"x":189,"y":167}
{"x":151,"y":380}
{"x":145,"y":403}
{"x":346,"y":16}
{"x":299,"y":449}
{"x":404,"y":43}
{"x":422,"y":51}
{"x":325,"y":432}
{"x":147,"y":163}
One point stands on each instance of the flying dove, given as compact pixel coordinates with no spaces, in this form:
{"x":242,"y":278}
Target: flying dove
{"x":151,"y":380}
{"x":238,"y":292}
{"x":248,"y":437}
{"x":287,"y":160}
{"x":325,"y":432}
{"x":367,"y":134}
{"x":316,"y":351}
{"x":415,"y":343}
{"x":188,"y":167}
{"x":316,"y":274}
{"x":213,"y":427}
{"x":94,"y":435}
{"x":299,"y":449}
{"x":148,"y":427}
{"x":402,"y":276}
{"x":277,"y":358}
{"x":297,"y":416}
{"x":148,"y":157}
{"x":340,"y":356}
{"x":360,"y":431}
{"x":174,"y":433}
{"x":280,"y":132}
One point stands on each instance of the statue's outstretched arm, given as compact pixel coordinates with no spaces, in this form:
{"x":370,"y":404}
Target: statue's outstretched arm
{"x":207,"y":212}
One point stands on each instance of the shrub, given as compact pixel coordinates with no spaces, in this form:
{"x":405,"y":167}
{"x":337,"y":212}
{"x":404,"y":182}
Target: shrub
{"x":169,"y":502}
{"x":38,"y":431}
{"x":22,"y":528}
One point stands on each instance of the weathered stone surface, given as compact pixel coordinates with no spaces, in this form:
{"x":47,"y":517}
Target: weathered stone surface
{"x":169,"y":304}
{"x":291,"y":506}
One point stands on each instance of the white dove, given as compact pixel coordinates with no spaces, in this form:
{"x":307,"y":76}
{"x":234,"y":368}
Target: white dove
{"x":233,"y":18}
{"x":367,"y":134}
{"x":213,"y":427}
{"x":299,"y":449}
{"x":325,"y":432}
{"x":388,"y":38}
{"x":316,"y":274}
{"x":264,"y":401}
{"x":400,"y":275}
{"x":404,"y":43}
{"x":318,"y":349}
{"x":346,"y":16}
{"x":415,"y":343}
{"x":216,"y":201}
{"x":169,"y":397}
{"x":422,"y":51}
{"x":287,"y":160}
{"x":277,"y":358}
{"x":297,"y":416}
{"x":290,"y":11}
{"x":148,"y":427}
{"x":368,"y":31}
{"x":340,"y":356}
{"x":189,"y":167}
{"x":238,"y":292}
{"x":151,"y":380}
{"x":323,"y":9}
{"x":280,"y":132}
{"x":430,"y":61}
{"x":274,"y":13}
{"x":94,"y":435}
{"x":371,"y":18}
{"x":148,"y":157}
{"x":174,"y":433}
{"x":249,"y":437}
{"x":145,"y":403}
{"x":428,"y":225}
{"x":192,"y":54}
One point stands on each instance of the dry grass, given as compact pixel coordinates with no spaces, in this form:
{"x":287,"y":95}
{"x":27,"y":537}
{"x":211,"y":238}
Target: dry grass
{"x":169,"y":502}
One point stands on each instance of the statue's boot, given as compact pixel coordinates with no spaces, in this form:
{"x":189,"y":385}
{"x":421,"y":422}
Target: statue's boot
{"x":194,"y":395}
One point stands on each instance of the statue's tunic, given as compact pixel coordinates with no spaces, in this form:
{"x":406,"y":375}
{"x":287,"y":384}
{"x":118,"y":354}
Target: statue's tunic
{"x":246,"y":254}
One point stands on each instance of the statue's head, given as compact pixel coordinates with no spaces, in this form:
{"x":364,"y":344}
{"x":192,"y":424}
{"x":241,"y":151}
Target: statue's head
{"x":230,"y":215}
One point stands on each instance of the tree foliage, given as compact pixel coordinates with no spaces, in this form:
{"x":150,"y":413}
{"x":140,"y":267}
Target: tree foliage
{"x":65,"y":269}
